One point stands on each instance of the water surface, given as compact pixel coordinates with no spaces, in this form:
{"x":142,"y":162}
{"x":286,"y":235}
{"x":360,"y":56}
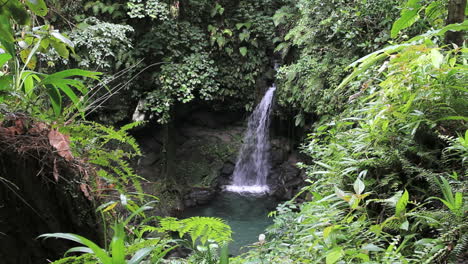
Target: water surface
{"x":247,"y":216}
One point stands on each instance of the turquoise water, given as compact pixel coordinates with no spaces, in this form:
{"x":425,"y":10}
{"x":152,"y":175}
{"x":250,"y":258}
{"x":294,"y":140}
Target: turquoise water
{"x":247,"y":216}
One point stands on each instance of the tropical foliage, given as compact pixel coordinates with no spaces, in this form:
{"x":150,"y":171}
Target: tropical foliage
{"x":379,"y":87}
{"x":384,"y":188}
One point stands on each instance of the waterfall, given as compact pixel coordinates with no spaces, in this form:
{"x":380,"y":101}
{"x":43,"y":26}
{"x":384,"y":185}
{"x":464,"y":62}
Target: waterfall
{"x":253,"y":164}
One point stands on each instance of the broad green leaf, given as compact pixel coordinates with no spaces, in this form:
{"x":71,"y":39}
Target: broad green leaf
{"x":405,"y":225}
{"x":453,"y":118}
{"x":359,"y":186}
{"x":434,"y":10}
{"x":79,"y":249}
{"x":14,"y":9}
{"x":353,"y":202}
{"x":371,"y":248}
{"x":99,"y":252}
{"x":61,"y":49}
{"x":339,"y":193}
{"x":24,"y":55}
{"x":56,"y":34}
{"x":138,"y":211}
{"x":158,"y":257}
{"x":412,"y":4}
{"x":117,"y":244}
{"x":220,"y":40}
{"x":55,"y":99}
{"x":140,"y":255}
{"x":244,"y":36}
{"x":224,"y":255}
{"x":366,"y":64}
{"x":408,"y":17}
{"x":437,"y":58}
{"x":458,"y":200}
{"x":69,"y":92}
{"x":72,"y":82}
{"x":363,"y":256}
{"x":334,"y":255}
{"x":37,"y":6}
{"x":4,"y":57}
{"x":439,"y":32}
{"x":28,"y":82}
{"x":228,"y":32}
{"x":447,"y":190}
{"x":243,"y":51}
{"x":69,"y":73}
{"x":401,"y":204}
{"x":327,"y":231}
{"x":45,"y":43}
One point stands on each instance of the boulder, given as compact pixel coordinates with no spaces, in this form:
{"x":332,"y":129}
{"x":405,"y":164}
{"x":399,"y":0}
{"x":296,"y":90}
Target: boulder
{"x":277,"y":156}
{"x":201,"y":196}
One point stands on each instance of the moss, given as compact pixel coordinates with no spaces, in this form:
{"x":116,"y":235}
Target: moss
{"x":206,"y":159}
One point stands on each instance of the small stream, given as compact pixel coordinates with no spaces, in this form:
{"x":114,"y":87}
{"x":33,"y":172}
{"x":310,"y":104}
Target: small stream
{"x":246,"y":214}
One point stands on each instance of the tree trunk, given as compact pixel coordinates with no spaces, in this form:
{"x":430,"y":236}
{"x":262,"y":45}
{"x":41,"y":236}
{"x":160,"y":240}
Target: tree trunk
{"x":456,"y":14}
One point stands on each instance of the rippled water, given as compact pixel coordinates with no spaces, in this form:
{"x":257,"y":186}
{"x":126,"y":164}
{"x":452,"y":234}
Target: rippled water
{"x":247,"y":216}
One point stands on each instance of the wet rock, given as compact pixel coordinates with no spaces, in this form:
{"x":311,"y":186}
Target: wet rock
{"x":189,"y":203}
{"x":228,"y":169}
{"x":289,"y":172}
{"x":281,"y":143}
{"x":285,"y":179}
{"x":200,"y":196}
{"x":277,"y":156}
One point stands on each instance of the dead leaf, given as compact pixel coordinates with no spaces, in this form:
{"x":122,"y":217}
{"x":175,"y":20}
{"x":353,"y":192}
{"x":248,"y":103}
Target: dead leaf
{"x":56,"y":173}
{"x":38,"y":128}
{"x":99,"y":186}
{"x":61,"y":143}
{"x":17,"y":129}
{"x":84,"y":188}
{"x":19,"y":125}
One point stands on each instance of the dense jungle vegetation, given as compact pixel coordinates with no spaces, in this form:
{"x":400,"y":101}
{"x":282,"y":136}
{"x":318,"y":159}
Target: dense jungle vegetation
{"x":379,"y":87}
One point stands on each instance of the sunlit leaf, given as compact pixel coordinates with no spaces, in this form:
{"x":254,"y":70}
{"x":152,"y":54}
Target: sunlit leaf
{"x":401,"y":204}
{"x":4,"y":57}
{"x":243,"y":51}
{"x":408,"y":18}
{"x":56,"y":34}
{"x":359,"y":186}
{"x":37,"y":6}
{"x":334,"y":255}
{"x":437,"y":58}
{"x":99,"y":252}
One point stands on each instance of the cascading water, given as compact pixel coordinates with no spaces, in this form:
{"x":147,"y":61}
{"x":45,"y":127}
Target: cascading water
{"x":253,"y":164}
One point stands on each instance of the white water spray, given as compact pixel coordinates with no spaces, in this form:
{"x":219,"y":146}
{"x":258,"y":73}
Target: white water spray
{"x":253,"y":163}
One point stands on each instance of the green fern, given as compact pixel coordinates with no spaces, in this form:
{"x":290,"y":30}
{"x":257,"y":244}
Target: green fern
{"x":199,"y":228}
{"x":109,"y":150}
